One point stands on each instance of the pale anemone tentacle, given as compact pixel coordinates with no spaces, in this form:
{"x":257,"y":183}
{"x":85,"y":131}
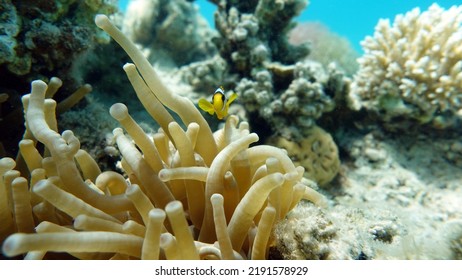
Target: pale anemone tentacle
{"x":6,"y":164}
{"x":63,"y":150}
{"x":22,"y":206}
{"x":179,"y":225}
{"x":111,"y":182}
{"x":90,"y":223}
{"x":215,"y":178}
{"x":120,"y":112}
{"x":263,"y":233}
{"x":150,"y":102}
{"x":156,"y":189}
{"x":67,"y":202}
{"x":46,"y":226}
{"x":194,"y":189}
{"x":170,"y":247}
{"x":54,"y":84}
{"x":177,"y":197}
{"x":87,"y":165}
{"x":224,"y":241}
{"x":73,"y":242}
{"x":73,"y":99}
{"x":30,"y":154}
{"x":198,"y":173}
{"x":141,"y":201}
{"x":134,"y":228}
{"x":249,"y":206}
{"x":181,"y":105}
{"x":151,"y":244}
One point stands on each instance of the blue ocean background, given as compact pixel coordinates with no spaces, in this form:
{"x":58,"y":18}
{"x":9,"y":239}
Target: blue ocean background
{"x":352,"y":19}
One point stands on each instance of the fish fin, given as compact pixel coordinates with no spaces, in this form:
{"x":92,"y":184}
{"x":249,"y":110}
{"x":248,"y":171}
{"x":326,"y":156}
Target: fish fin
{"x":206,"y":106}
{"x":231,"y":98}
{"x":222,"y":114}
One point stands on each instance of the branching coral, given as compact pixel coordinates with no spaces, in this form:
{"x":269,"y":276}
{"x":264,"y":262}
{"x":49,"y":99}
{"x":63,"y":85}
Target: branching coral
{"x":412,"y":70}
{"x":190,"y":194}
{"x":264,"y":69}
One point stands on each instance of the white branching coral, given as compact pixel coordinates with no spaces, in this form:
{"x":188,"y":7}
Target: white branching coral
{"x":189,"y":193}
{"x":413,"y":69}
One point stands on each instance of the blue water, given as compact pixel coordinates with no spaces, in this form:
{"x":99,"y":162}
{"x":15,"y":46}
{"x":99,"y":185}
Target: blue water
{"x":353,"y":19}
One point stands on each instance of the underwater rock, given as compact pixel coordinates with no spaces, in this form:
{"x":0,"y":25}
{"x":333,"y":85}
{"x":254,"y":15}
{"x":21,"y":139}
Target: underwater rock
{"x":412,"y":70}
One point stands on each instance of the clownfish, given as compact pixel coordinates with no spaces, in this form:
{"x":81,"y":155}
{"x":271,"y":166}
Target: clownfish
{"x":219,"y":105}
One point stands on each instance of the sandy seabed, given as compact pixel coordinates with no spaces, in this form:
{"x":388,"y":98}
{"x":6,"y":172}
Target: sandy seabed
{"x":395,"y":198}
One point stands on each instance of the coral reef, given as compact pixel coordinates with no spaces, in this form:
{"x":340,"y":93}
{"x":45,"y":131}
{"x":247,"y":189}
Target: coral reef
{"x":411,"y":70}
{"x":29,"y":28}
{"x":231,"y":194}
{"x":170,"y":32}
{"x":258,"y":63}
{"x":281,"y":94}
{"x":39,"y":40}
{"x":293,"y":111}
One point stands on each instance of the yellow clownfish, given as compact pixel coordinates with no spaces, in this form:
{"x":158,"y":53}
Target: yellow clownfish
{"x":219,"y":105}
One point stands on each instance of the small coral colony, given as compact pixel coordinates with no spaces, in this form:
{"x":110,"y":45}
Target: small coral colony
{"x":202,"y":184}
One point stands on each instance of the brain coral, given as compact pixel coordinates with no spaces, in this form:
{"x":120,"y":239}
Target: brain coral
{"x":317,"y":153}
{"x":412,"y":70}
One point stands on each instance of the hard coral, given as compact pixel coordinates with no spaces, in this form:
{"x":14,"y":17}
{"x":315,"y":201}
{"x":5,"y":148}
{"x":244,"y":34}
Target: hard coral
{"x":230,"y":195}
{"x":283,"y":94}
{"x":412,"y":70}
{"x":317,"y":153}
